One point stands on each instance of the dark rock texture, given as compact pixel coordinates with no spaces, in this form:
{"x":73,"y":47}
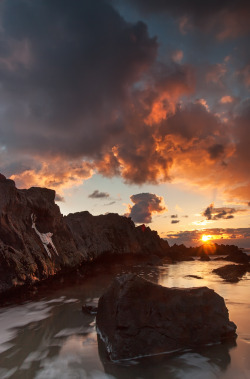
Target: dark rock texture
{"x":181,"y":252}
{"x":23,"y":258}
{"x":136,"y":318}
{"x":232,"y":273}
{"x":31,"y":251}
{"x":113,"y":234}
{"x":204,"y":257}
{"x":90,"y":307}
{"x":236,"y":257}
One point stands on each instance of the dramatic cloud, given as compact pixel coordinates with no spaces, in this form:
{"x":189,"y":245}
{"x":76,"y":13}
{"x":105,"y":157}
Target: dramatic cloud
{"x":225,"y":18}
{"x":145,"y":205}
{"x":97,"y":96}
{"x":57,"y":174}
{"x":225,"y":213}
{"x":227,"y":99}
{"x":99,"y":195}
{"x":64,"y":93}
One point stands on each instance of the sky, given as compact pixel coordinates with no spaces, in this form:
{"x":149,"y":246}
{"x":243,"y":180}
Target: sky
{"x":138,"y":107}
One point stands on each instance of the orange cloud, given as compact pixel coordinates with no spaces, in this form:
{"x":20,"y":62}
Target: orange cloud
{"x":177,"y":56}
{"x":56,"y":174}
{"x":227,"y":99}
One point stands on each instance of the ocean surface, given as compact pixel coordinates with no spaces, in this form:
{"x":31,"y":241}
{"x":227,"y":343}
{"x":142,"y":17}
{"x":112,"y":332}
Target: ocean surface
{"x":51,"y":338}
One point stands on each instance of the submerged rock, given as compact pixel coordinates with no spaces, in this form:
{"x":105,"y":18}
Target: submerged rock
{"x":232,"y":273}
{"x":193,"y":276}
{"x":90,"y":307}
{"x":137,"y":318}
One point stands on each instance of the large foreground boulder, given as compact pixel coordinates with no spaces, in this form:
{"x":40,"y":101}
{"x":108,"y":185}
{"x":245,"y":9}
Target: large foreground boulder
{"x":137,"y":318}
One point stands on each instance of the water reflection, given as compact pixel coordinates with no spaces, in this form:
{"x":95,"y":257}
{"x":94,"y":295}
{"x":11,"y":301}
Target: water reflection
{"x":50,"y":337}
{"x":206,"y":362}
{"x":41,"y":337}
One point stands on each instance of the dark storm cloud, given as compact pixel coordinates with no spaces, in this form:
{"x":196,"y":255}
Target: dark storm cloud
{"x":137,"y":150}
{"x":192,"y":121}
{"x":99,"y":195}
{"x":65,"y":71}
{"x":216,"y":151}
{"x":225,"y":213}
{"x":83,"y":91}
{"x":145,"y":205}
{"x":225,"y":18}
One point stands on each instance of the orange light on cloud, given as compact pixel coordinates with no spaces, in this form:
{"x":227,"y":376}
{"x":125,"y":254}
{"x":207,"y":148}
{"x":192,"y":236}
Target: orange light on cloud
{"x":227,"y":99}
{"x":206,"y":237}
{"x":55,"y":174}
{"x":159,"y":112}
{"x":177,"y":56}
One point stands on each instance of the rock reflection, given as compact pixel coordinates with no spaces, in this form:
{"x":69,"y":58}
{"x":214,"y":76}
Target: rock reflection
{"x":207,"y":362}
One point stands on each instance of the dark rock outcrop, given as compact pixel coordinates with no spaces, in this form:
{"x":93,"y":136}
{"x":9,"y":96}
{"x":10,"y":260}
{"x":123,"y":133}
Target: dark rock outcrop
{"x":236,"y":257}
{"x":182,"y":253}
{"x":36,"y":241}
{"x":232,"y":273}
{"x":23,"y":257}
{"x":204,"y":257}
{"x":137,"y":318}
{"x":113,"y":234}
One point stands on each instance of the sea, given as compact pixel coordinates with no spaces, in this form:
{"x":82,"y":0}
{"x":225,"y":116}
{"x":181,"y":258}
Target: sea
{"x":49,"y":337}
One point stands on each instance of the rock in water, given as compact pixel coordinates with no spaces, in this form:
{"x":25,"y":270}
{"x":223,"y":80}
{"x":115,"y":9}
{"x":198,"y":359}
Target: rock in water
{"x":204,"y":257}
{"x":137,"y":318}
{"x":232,"y":273}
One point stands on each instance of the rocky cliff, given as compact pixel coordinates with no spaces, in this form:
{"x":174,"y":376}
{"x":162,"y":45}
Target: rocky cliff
{"x":36,"y":241}
{"x":111,"y":233}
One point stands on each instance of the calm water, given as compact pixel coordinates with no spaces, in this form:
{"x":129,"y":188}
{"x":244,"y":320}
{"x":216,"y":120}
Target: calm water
{"x":50,"y":337}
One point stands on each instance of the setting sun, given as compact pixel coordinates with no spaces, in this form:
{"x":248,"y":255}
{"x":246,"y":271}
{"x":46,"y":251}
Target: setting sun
{"x":206,"y":238}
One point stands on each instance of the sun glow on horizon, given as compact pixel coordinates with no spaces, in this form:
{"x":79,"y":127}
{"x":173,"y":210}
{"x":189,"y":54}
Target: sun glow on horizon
{"x":206,"y":238}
